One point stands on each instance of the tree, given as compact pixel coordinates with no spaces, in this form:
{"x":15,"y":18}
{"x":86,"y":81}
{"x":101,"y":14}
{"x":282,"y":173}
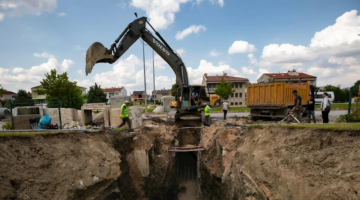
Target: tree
{"x":23,"y":99}
{"x":340,"y":95}
{"x":58,"y":86}
{"x":1,"y":91}
{"x":224,"y":90}
{"x":355,"y":89}
{"x":175,"y":90}
{"x":96,"y":95}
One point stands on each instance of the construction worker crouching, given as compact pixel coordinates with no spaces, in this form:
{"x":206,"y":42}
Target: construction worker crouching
{"x":207,"y":114}
{"x":124,"y":115}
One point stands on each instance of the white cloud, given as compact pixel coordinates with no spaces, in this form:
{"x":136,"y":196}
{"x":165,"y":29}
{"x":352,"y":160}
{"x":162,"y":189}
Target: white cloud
{"x":80,"y":72}
{"x":22,"y":78}
{"x":196,"y":75}
{"x":338,"y":40}
{"x":78,"y":47}
{"x":246,"y":70}
{"x":62,"y":14}
{"x":214,"y":53}
{"x":180,"y":51}
{"x":43,"y":55}
{"x":221,"y":3}
{"x":241,"y":47}
{"x":122,"y":4}
{"x":160,"y":12}
{"x":252,"y":59}
{"x":26,"y":7}
{"x":262,"y":71}
{"x":192,"y":29}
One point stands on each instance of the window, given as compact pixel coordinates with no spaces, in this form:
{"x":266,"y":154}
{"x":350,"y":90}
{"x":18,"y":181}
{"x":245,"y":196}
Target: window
{"x":240,"y":94}
{"x":240,"y":103}
{"x":236,"y":103}
{"x":135,"y":99}
{"x":232,"y":103}
{"x":240,"y":85}
{"x":236,"y":94}
{"x":236,"y":85}
{"x":232,"y":94}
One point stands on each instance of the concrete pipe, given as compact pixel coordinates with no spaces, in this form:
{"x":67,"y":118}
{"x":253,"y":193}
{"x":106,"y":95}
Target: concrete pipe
{"x":5,"y":113}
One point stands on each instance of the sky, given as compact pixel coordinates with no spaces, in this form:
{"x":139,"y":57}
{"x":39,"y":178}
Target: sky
{"x":241,"y":38}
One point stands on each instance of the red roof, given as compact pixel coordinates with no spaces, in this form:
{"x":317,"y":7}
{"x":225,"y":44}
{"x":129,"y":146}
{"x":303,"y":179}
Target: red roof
{"x":217,"y":79}
{"x":287,"y":76}
{"x":8,"y":92}
{"x":163,"y":91}
{"x":112,"y":89}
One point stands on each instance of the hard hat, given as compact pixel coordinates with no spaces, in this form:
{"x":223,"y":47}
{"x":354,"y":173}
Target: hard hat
{"x":204,"y":104}
{"x":126,"y":101}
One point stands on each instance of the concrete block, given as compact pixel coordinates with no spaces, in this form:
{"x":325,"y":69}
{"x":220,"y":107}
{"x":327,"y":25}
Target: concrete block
{"x":67,"y":115}
{"x":142,"y":162}
{"x":165,"y":101}
{"x":86,"y":111}
{"x":21,"y":122}
{"x":134,"y":115}
{"x":117,"y":101}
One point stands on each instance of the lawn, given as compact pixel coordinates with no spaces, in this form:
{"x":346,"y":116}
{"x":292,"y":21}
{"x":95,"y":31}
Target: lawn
{"x":335,"y":126}
{"x":345,"y":105}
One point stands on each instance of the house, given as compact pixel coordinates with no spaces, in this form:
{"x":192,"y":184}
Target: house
{"x":8,"y":95}
{"x":110,"y":92}
{"x":139,"y":95}
{"x":288,"y":77}
{"x":157,"y":94}
{"x":238,"y":98}
{"x":39,"y":97}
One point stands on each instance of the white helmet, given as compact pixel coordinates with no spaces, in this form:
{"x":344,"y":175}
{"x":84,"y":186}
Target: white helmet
{"x":126,"y":101}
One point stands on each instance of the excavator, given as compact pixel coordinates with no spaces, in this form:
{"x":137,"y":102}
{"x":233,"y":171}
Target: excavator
{"x":192,"y":99}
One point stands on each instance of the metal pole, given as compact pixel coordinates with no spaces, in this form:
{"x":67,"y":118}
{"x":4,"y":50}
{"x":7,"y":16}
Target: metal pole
{"x":144,"y":77}
{"x":58,"y":100}
{"x":154,"y":78}
{"x":349,"y":109}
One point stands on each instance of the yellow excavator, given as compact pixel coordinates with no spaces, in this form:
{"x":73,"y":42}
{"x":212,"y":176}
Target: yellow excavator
{"x":192,"y":99}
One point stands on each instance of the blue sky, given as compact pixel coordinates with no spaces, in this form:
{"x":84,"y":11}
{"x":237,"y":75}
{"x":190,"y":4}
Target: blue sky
{"x":242,"y":38}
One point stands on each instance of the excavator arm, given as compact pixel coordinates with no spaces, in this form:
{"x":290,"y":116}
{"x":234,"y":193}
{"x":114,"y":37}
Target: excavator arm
{"x":97,"y":53}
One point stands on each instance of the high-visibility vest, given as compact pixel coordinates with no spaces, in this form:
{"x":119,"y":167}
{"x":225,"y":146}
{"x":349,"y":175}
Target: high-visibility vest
{"x":125,"y":113}
{"x":207,"y":111}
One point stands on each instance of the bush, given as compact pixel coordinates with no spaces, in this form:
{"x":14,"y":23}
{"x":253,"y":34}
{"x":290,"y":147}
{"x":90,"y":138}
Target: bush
{"x":7,"y":126}
{"x":354,"y":115}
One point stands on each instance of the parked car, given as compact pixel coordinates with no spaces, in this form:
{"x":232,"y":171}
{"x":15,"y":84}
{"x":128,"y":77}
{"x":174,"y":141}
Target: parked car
{"x":318,"y":97}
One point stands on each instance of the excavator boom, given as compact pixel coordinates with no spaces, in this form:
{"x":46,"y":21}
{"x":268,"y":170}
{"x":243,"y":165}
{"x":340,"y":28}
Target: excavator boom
{"x":97,"y":53}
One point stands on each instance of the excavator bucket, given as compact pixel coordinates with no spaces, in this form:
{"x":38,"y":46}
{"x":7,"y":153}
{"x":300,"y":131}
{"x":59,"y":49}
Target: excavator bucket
{"x":96,"y":53}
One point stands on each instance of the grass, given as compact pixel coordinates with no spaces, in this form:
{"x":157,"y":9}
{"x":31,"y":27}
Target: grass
{"x":26,"y":134}
{"x":335,"y":126}
{"x":255,"y":126}
{"x":345,"y":105}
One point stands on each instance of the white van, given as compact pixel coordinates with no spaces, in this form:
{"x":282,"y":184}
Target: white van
{"x":318,"y":97}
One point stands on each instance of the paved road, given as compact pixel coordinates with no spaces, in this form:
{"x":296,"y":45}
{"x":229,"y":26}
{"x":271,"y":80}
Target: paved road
{"x":332,"y":115}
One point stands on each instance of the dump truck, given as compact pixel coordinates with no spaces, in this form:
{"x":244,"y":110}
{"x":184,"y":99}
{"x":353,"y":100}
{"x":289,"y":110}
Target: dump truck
{"x":274,"y":100}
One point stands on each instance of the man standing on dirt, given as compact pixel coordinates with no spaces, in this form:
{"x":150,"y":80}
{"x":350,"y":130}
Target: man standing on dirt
{"x":225,"y":107}
{"x":325,"y":108}
{"x":310,"y":109}
{"x":207,"y":114}
{"x":124,"y":115}
{"x":297,"y":105}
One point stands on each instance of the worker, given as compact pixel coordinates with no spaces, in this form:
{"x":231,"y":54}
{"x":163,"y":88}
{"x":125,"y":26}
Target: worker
{"x":225,"y":107}
{"x":207,"y":114}
{"x":124,"y":115}
{"x":325,"y":108}
{"x":297,"y":105}
{"x":311,"y":108}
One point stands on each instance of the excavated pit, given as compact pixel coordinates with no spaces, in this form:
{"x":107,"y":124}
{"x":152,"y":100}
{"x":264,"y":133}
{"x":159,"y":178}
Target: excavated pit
{"x":236,"y":164}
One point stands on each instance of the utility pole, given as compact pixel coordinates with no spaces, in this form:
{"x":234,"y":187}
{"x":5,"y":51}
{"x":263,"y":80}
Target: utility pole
{"x":144,"y":77}
{"x":154,"y":78}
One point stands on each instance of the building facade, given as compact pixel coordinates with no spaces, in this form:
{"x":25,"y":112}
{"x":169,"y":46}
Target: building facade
{"x":8,"y":95}
{"x":39,"y":97}
{"x":288,"y":77}
{"x":237,"y":98}
{"x":157,"y":94}
{"x":110,"y":92}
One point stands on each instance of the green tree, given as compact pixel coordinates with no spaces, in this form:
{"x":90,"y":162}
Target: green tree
{"x":23,"y":99}
{"x":58,"y":86}
{"x":224,"y":90}
{"x":1,"y":90}
{"x":355,"y":89}
{"x":175,"y":90}
{"x":96,"y":95}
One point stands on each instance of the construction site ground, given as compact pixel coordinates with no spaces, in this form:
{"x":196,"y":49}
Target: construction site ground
{"x":240,"y":160}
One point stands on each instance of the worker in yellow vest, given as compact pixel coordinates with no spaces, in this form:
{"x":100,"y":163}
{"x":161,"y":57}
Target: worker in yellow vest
{"x":124,"y":115}
{"x":207,"y":114}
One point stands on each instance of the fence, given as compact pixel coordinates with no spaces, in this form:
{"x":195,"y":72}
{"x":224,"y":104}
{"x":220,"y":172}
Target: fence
{"x":27,"y":109}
